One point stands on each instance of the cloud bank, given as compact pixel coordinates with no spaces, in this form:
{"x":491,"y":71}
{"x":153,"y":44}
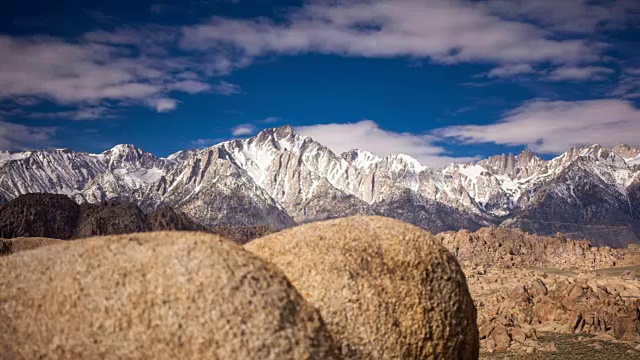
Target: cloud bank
{"x":555,"y":126}
{"x":367,"y":135}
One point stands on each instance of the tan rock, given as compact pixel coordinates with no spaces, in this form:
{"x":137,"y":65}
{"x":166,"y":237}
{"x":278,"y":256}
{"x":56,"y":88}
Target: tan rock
{"x":517,"y":334}
{"x":485,"y":330}
{"x":490,"y":345}
{"x":501,"y":337}
{"x":387,"y":289}
{"x":549,"y":347}
{"x":538,"y":288}
{"x":154,"y":296}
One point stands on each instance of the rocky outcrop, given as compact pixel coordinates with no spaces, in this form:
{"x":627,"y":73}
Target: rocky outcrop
{"x":512,"y":248}
{"x":524,"y":285}
{"x":166,"y":218}
{"x":57,"y":216}
{"x":588,"y":305}
{"x":39,"y":215}
{"x":387,"y":289}
{"x":154,"y":295}
{"x":110,"y":218}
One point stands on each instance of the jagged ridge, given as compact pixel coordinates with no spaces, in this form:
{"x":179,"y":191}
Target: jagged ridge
{"x":279,"y":178}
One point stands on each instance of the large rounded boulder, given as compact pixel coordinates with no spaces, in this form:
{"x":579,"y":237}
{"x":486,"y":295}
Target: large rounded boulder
{"x":386,"y":289}
{"x":153,"y":296}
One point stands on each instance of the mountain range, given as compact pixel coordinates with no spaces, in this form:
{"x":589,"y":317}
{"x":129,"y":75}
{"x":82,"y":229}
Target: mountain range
{"x":279,"y":178}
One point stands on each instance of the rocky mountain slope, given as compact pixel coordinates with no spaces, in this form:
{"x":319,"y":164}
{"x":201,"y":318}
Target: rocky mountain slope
{"x":279,"y":178}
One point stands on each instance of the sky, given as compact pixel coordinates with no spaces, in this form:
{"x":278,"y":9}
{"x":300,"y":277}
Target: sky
{"x":441,"y":81}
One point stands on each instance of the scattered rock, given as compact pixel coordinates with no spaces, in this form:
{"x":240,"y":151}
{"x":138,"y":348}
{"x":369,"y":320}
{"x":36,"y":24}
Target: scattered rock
{"x":386,"y":289}
{"x":501,"y":337}
{"x":154,"y":295}
{"x":517,"y":334}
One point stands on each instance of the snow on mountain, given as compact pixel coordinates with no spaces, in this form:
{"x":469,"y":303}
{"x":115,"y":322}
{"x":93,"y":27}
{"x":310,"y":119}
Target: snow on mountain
{"x":360,"y":159}
{"x":6,"y":156}
{"x":279,"y":177}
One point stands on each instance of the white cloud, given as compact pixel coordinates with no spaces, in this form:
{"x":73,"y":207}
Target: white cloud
{"x":510,"y":70}
{"x":83,"y":113}
{"x":555,"y":126}
{"x":133,"y":65}
{"x":68,"y":73}
{"x":574,"y":16}
{"x":127,"y":66}
{"x":585,"y":73}
{"x":444,"y":31}
{"x":226,"y":88}
{"x":628,"y":85}
{"x":367,"y":135}
{"x":190,"y":86}
{"x":243,"y":130}
{"x":271,"y":120}
{"x":18,"y":137}
{"x":163,"y":104}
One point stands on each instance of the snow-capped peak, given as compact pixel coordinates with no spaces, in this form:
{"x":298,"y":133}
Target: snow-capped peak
{"x":282,"y":171}
{"x":122,"y":149}
{"x":360,"y":159}
{"x":403,"y":160}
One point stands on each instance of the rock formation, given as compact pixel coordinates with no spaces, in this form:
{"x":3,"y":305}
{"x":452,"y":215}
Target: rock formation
{"x":386,"y":289}
{"x":155,"y":296}
{"x":512,"y":248}
{"x":524,"y":285}
{"x":39,"y":215}
{"x":59,"y":217}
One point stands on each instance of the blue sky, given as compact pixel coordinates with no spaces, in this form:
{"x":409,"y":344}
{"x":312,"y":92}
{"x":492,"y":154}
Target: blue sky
{"x":438,"y":80}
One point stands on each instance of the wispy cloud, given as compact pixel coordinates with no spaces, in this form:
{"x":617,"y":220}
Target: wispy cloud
{"x":190,"y":86}
{"x":19,"y":137}
{"x":575,"y":16}
{"x":367,"y":135}
{"x":163,"y":104}
{"x":226,"y":88}
{"x":270,"y":120}
{"x":554,"y":126}
{"x":83,"y":113}
{"x":574,"y":73}
{"x":510,"y":70}
{"x":243,"y":130}
{"x":628,"y":85}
